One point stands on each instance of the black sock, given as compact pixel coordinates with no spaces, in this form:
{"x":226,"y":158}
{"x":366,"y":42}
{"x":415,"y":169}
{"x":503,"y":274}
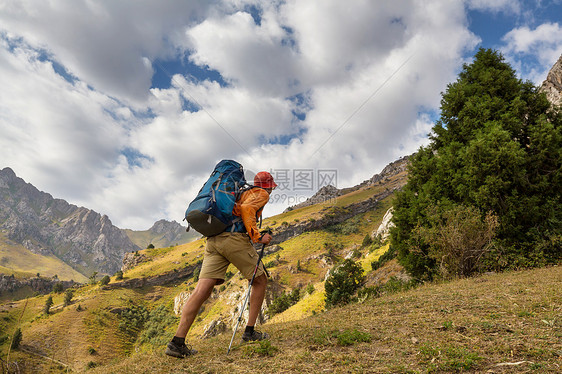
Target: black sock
{"x":178,"y":341}
{"x":249,"y":329}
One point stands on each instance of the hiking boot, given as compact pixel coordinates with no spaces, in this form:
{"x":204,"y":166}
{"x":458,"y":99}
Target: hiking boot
{"x":179,"y":351}
{"x":254,"y":336}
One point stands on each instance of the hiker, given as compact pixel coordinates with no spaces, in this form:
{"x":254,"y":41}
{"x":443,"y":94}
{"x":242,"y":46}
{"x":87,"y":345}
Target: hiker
{"x":234,"y":245}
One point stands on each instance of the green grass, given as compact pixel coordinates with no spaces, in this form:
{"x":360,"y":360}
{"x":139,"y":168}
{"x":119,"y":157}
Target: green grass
{"x":18,"y":260}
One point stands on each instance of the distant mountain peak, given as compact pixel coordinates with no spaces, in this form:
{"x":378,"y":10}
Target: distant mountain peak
{"x":82,"y":238}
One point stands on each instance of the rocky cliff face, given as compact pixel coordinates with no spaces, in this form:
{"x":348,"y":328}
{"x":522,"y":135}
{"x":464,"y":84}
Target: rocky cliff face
{"x":552,"y":86}
{"x":82,"y":238}
{"x":162,"y":234}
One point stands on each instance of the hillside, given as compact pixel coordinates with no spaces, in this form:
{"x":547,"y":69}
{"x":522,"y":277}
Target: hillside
{"x":495,"y":323}
{"x":467,"y":325}
{"x":309,"y":241}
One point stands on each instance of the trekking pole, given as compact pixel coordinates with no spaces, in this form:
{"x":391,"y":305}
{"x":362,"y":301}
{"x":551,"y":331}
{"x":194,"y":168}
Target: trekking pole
{"x":268,"y":231}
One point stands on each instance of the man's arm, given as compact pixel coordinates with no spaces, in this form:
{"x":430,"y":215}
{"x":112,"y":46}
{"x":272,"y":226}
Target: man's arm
{"x":256,"y":200}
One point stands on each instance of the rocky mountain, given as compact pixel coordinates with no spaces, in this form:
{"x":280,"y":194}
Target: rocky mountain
{"x":552,"y":86}
{"x":162,"y":234}
{"x":328,"y":193}
{"x":82,"y":238}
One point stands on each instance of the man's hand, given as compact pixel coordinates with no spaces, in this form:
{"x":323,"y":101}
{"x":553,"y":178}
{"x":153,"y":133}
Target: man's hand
{"x":265,"y":239}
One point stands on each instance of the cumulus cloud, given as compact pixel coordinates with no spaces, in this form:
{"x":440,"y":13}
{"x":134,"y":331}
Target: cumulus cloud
{"x":496,"y":6}
{"x":106,"y":44}
{"x":305,"y":85}
{"x":534,"y":51}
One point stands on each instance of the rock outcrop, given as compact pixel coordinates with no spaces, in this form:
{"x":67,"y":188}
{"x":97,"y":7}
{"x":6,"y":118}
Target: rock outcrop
{"x":10,"y":284}
{"x":552,"y":86}
{"x":82,"y":238}
{"x":162,"y":234}
{"x":383,"y":231}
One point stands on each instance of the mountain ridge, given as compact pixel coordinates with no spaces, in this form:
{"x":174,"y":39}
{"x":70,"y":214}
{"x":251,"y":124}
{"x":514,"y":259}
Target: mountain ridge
{"x":82,"y":238}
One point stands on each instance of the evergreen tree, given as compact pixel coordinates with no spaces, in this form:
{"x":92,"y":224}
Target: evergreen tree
{"x":105,"y":280}
{"x":48,"y":305}
{"x":497,"y":147}
{"x":68,"y":295}
{"x":16,"y":340}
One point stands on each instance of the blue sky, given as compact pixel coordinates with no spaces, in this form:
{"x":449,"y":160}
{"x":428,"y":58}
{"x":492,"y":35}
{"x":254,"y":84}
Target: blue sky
{"x":125,"y":107}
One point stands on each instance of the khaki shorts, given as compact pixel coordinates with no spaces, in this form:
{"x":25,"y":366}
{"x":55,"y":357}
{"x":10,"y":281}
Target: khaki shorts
{"x":229,"y":248}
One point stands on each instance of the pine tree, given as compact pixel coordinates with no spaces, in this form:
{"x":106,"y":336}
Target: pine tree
{"x":497,"y":147}
{"x":48,"y":305}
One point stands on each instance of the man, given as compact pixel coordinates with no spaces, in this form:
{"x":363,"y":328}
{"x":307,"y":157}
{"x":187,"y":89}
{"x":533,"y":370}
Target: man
{"x":232,"y":246}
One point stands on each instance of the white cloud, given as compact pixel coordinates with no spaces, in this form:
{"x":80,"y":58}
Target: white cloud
{"x":363,"y":109}
{"x":496,"y":6}
{"x":542,"y":45}
{"x":103,"y":43}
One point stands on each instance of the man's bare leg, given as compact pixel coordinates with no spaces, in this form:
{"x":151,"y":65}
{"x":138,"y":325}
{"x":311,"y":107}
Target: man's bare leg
{"x":201,"y":293}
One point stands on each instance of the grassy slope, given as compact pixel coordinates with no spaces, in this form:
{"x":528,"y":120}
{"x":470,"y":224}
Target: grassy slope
{"x":17,"y":260}
{"x":472,"y":325}
{"x":110,"y":343}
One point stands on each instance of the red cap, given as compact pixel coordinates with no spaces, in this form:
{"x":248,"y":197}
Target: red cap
{"x":264,"y":180}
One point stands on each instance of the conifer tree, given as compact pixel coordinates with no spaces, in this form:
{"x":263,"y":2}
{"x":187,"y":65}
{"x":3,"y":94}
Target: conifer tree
{"x":497,"y":147}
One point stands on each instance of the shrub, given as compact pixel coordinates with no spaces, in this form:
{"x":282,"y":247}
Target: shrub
{"x":105,"y":280}
{"x":16,"y":340}
{"x":367,"y":240}
{"x":310,"y":289}
{"x":48,"y":305}
{"x":68,"y":297}
{"x":284,"y":302}
{"x":459,"y":238}
{"x":384,"y":258}
{"x":155,"y":330}
{"x":132,"y":319}
{"x":342,"y":283}
{"x":58,"y":287}
{"x":150,"y":246}
{"x":119,"y":275}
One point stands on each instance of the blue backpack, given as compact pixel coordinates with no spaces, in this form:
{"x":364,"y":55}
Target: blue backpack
{"x":210,"y":213}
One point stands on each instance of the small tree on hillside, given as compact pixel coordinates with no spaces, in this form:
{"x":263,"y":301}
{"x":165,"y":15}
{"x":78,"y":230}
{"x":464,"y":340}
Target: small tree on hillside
{"x":93,"y":277}
{"x":342,"y":283}
{"x":458,"y":239}
{"x":16,"y":339}
{"x":48,"y":305}
{"x":58,"y":287}
{"x":105,"y":280}
{"x":68,"y":295}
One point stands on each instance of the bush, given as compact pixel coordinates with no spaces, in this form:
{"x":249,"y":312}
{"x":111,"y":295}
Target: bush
{"x":105,"y":280}
{"x":48,"y":305}
{"x":58,"y":287}
{"x":367,"y":240}
{"x":284,"y":302}
{"x":342,"y":283}
{"x":458,"y":239}
{"x":310,"y":289}
{"x":68,"y":295}
{"x":119,"y":275}
{"x":150,"y":246}
{"x":132,"y":319}
{"x":155,"y":326}
{"x":16,"y":340}
{"x":383,"y":259}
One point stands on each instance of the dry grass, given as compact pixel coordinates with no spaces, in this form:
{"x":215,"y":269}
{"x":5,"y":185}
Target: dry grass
{"x":496,"y":323}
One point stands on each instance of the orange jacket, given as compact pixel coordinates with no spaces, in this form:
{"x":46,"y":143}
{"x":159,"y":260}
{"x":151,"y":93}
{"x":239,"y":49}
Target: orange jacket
{"x":249,"y":208}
